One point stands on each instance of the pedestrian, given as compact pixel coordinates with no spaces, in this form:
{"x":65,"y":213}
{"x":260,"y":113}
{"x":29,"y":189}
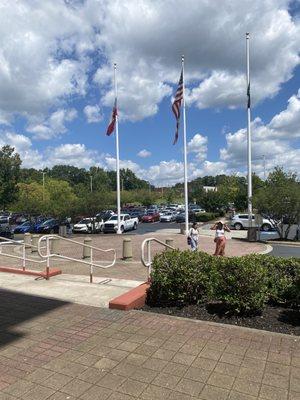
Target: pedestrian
{"x":220,"y":228}
{"x":193,"y":237}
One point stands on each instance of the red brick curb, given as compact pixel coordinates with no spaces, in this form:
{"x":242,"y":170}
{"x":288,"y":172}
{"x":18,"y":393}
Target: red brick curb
{"x":43,"y":274}
{"x":133,"y":299}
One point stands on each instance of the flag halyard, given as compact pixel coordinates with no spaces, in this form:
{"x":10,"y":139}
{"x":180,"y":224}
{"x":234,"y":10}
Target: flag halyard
{"x":112,"y":124}
{"x":177,"y":104}
{"x":248,"y":96}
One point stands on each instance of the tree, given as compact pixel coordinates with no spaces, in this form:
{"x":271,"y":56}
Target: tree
{"x":62,"y":200}
{"x":30,"y":199}
{"x":9,"y":175}
{"x":279,"y":200}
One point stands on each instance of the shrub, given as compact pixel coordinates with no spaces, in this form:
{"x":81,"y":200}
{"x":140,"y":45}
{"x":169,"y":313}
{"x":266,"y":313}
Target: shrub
{"x":243,"y":284}
{"x":182,"y":277}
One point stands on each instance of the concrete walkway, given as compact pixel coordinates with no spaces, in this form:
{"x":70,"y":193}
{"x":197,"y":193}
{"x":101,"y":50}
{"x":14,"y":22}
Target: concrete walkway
{"x":70,"y":288}
{"x":60,"y":351}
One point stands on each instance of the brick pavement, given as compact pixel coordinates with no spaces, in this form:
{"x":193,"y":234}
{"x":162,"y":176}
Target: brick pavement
{"x":58,"y":351}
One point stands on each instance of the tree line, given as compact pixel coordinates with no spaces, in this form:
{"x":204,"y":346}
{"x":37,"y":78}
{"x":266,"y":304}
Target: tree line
{"x":70,"y":191}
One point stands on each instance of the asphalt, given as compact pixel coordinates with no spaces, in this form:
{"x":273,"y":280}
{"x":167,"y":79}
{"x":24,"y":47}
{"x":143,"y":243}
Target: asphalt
{"x":285,"y":250}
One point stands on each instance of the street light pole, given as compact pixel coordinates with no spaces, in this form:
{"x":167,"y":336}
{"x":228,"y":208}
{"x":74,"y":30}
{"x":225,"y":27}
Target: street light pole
{"x":91,"y":183}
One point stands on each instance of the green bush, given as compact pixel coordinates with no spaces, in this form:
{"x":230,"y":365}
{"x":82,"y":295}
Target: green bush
{"x":242,"y":284}
{"x":205,"y":217}
{"x":182,"y":277}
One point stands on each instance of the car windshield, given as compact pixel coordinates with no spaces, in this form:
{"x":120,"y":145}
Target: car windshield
{"x":84,"y":221}
{"x":27,"y":223}
{"x":114,"y":218}
{"x":48,"y":221}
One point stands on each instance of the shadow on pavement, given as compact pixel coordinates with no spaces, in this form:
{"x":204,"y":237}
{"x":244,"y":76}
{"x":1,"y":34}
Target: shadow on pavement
{"x":16,"y":308}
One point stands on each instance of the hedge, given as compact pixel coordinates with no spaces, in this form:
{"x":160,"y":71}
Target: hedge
{"x":243,"y":284}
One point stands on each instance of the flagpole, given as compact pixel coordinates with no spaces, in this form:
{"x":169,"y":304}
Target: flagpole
{"x":186,"y":202}
{"x":117,"y":156}
{"x":249,"y":136}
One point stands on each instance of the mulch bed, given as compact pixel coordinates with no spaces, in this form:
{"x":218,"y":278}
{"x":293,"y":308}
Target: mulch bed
{"x":273,"y":318}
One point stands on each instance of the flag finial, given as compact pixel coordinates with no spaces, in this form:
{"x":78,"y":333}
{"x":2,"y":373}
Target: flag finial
{"x":182,"y":58}
{"x":247,"y":35}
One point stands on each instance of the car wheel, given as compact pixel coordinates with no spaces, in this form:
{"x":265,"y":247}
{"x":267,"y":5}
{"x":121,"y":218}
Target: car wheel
{"x":135,"y":226}
{"x":122,"y":229}
{"x":266,"y":227}
{"x":238,"y":226}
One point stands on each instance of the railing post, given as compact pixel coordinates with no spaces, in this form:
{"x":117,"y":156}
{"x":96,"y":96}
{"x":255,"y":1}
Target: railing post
{"x":48,"y":257}
{"x":91,"y":268}
{"x":24,"y":257}
{"x":149,"y":258}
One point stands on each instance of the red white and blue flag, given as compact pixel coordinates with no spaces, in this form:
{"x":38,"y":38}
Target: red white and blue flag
{"x":112,"y":124}
{"x":177,"y":105}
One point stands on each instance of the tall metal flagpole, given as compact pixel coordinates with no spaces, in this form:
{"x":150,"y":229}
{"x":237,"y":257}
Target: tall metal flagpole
{"x":249,"y":136}
{"x":117,"y":154}
{"x":186,"y":200}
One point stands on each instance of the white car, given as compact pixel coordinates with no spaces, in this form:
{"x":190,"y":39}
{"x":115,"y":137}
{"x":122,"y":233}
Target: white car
{"x":88,"y":225}
{"x":241,"y":221}
{"x":126,"y":223}
{"x":168,"y":217}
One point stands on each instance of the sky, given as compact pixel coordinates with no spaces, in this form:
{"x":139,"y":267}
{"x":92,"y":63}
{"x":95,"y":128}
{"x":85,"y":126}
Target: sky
{"x":56,"y":84}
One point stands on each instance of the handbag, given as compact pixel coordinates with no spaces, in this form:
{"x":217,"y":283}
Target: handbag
{"x":189,"y":240}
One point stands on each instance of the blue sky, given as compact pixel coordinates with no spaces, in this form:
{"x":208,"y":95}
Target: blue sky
{"x":56,"y":89}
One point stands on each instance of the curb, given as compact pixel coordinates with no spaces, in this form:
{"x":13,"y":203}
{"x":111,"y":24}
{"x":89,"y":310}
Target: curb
{"x":52,"y":272}
{"x":134,"y":298}
{"x":283,"y":243}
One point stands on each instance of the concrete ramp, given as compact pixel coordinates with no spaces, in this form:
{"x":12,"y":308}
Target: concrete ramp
{"x":70,"y":288}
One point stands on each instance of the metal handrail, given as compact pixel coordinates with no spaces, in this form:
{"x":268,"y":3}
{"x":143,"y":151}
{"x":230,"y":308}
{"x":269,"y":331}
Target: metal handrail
{"x":91,"y":262}
{"x":148,"y":263}
{"x":5,"y":241}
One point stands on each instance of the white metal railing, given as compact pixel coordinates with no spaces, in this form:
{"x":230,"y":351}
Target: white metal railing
{"x":91,"y":262}
{"x":147,"y":243}
{"x":5,"y":242}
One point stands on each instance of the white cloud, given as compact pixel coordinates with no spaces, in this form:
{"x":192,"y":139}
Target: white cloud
{"x":198,"y":146}
{"x":144,"y":153}
{"x":287,"y":122}
{"x":48,"y":57}
{"x":93,"y":113}
{"x":52,"y":126}
{"x":72,"y":154}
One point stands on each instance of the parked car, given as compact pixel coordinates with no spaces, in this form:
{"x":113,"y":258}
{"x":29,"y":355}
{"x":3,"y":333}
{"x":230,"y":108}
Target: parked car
{"x":137,"y":214}
{"x":104,"y":215}
{"x":127,"y":223}
{"x":151,"y":216}
{"x":241,"y":221}
{"x":180,"y":218}
{"x":168,"y":217}
{"x":88,"y":225}
{"x":48,"y":226}
{"x":25,"y":227}
{"x":6,"y":232}
{"x":4,"y":220}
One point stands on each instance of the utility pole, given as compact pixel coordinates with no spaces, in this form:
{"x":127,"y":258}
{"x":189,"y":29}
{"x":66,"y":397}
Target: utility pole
{"x":91,"y":183}
{"x":249,"y":137}
{"x":264,"y":158}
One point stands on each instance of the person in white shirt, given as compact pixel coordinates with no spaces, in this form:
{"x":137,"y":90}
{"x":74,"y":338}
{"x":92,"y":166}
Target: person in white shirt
{"x":220,"y":238}
{"x":194,"y":236}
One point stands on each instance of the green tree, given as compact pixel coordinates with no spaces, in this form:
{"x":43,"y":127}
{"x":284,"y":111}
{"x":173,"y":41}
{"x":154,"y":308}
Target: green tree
{"x":279,"y":200}
{"x":30,"y":199}
{"x":62,"y":199}
{"x":9,"y":175}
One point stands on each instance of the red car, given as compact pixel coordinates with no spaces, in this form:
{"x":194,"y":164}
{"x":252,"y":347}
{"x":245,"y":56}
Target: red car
{"x":151,"y":217}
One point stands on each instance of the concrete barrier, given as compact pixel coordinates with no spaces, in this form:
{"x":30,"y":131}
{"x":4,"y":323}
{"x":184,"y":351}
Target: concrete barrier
{"x":87,"y":250}
{"x":34,"y":243}
{"x":27,"y":240}
{"x":127,"y":249}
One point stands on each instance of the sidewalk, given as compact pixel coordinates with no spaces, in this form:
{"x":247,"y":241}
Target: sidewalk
{"x":57,"y":351}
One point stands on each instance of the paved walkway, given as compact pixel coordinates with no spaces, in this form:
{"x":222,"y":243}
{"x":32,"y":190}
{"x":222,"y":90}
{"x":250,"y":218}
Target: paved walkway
{"x":127,"y":270}
{"x":57,"y":351}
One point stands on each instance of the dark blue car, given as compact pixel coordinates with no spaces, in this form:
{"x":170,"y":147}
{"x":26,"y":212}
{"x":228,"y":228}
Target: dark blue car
{"x":48,"y":226}
{"x":25,"y":227}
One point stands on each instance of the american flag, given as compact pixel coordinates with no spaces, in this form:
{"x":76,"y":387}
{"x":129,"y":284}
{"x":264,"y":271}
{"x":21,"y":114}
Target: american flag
{"x":177,"y":104}
{"x":248,"y":95}
{"x":111,"y":126}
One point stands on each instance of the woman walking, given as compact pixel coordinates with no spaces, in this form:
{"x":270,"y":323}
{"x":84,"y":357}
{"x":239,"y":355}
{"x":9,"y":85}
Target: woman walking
{"x":193,"y":237}
{"x":220,"y":238}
